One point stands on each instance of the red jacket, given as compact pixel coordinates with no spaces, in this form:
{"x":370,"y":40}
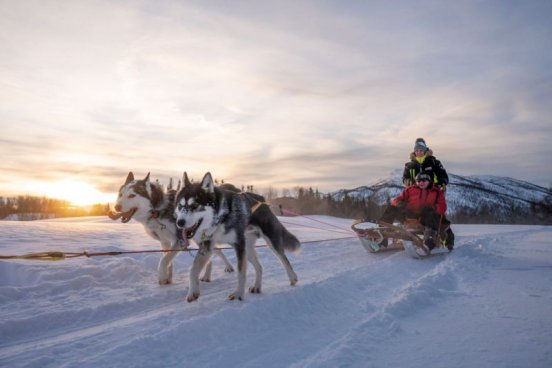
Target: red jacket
{"x":417,"y":199}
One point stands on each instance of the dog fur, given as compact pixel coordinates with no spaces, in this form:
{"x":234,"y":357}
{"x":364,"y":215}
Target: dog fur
{"x":150,"y":205}
{"x":210,"y":215}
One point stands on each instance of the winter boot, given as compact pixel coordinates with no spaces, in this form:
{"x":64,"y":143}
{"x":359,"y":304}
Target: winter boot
{"x":443,"y":230}
{"x":449,"y":242}
{"x":429,"y":238}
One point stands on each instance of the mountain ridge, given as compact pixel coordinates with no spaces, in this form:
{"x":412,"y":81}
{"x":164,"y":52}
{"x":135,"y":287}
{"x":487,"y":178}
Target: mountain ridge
{"x":466,"y":194}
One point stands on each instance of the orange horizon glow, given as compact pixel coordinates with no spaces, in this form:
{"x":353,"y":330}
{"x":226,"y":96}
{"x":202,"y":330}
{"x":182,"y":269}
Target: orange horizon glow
{"x":77,"y":193}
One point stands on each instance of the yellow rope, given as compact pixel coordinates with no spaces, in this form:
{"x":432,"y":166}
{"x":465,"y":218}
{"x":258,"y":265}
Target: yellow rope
{"x":61,"y":256}
{"x":43,"y":256}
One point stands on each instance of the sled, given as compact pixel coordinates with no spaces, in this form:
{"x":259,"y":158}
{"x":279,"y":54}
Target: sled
{"x":407,"y":236}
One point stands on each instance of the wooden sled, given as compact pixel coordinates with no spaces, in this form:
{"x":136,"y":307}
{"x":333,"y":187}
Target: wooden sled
{"x":407,"y":236}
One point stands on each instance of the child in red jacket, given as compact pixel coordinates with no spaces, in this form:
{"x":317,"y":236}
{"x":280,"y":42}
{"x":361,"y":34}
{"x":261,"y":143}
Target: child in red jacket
{"x":425,"y":202}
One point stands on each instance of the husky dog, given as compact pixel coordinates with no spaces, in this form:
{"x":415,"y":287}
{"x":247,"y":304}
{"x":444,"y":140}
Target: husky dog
{"x":150,"y":205}
{"x":208,"y":215}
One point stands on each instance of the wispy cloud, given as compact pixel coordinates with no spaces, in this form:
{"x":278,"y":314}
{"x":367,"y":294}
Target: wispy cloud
{"x":327,"y":94}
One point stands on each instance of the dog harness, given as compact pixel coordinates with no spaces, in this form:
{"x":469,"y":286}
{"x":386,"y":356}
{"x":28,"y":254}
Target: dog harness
{"x":155,"y":216}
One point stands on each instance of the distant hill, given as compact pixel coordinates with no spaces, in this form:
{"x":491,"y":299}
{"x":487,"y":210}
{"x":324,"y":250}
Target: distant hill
{"x":503,"y":197}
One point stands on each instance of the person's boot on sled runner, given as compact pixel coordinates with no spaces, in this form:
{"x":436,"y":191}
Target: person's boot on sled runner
{"x":425,"y":202}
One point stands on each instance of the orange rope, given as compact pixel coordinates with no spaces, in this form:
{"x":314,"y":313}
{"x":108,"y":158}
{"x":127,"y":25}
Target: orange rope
{"x":60,"y":256}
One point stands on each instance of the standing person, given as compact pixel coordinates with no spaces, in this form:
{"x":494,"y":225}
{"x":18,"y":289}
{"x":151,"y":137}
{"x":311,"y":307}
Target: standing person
{"x":426,"y":202}
{"x":422,"y":160}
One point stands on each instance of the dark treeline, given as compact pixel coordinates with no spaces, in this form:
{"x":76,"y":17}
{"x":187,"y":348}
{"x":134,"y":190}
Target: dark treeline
{"x":44,"y":207}
{"x":307,"y":201}
{"x":304,"y":201}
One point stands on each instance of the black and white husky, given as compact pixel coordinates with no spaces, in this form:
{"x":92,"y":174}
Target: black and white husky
{"x":153,"y":207}
{"x":211,"y":215}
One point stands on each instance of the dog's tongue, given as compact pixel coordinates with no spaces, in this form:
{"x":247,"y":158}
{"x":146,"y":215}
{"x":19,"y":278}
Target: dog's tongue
{"x":185,"y":242}
{"x":114,"y":215}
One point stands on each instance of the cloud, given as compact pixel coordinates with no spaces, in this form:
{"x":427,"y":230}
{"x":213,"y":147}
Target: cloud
{"x":256,"y":94}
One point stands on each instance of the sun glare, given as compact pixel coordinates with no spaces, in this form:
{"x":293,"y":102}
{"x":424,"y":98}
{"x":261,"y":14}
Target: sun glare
{"x":78,"y":193}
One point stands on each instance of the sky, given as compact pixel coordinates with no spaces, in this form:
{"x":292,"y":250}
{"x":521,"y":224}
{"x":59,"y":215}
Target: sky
{"x":328,"y":94}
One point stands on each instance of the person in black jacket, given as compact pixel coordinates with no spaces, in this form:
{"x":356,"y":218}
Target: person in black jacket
{"x":422,"y":160}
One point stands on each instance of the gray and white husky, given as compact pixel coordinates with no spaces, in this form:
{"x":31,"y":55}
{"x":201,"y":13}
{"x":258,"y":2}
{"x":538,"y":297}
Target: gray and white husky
{"x":210,"y":215}
{"x":153,"y":207}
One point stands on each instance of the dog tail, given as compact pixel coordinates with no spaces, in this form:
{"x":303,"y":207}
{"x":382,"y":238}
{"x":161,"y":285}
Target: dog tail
{"x":291,"y":243}
{"x":272,"y":228}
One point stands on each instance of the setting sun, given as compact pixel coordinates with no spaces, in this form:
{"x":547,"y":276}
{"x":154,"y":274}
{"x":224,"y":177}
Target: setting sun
{"x":78,"y":193}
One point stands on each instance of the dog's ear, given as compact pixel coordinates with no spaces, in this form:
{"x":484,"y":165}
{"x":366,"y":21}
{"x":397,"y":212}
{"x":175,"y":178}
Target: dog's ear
{"x":129,"y":178}
{"x":207,"y":183}
{"x":186,"y":182}
{"x":149,"y":186}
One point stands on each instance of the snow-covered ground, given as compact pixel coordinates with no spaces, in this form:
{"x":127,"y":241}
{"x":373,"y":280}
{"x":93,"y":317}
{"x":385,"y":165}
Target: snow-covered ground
{"x":487,"y":304}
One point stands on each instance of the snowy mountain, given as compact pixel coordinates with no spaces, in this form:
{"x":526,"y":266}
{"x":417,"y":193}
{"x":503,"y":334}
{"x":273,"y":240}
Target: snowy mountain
{"x":502,"y":196}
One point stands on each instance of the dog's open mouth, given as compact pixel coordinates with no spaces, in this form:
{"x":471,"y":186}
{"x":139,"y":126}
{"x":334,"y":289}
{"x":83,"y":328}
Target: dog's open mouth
{"x":124,"y":216}
{"x":189,"y":232}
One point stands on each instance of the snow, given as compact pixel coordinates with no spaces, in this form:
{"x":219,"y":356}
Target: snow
{"x":28,"y":216}
{"x":487,"y":304}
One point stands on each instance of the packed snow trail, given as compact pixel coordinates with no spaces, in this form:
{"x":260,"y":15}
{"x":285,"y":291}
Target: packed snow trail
{"x":485,"y":304}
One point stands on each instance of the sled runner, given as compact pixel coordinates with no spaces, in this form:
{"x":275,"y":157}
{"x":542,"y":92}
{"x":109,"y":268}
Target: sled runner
{"x":407,"y":236}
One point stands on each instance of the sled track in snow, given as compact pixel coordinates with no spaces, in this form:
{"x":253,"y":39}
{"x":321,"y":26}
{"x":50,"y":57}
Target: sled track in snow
{"x":68,"y":331}
{"x":361,"y":297}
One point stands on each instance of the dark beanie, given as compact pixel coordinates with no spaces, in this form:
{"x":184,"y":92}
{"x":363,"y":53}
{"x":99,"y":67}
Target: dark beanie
{"x":420,"y":144}
{"x":423,"y":176}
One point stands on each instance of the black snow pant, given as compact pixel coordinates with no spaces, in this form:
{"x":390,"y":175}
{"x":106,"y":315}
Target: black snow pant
{"x":428,"y":217}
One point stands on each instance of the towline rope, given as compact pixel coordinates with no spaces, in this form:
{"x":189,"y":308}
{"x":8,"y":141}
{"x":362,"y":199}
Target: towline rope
{"x":61,"y":256}
{"x":286,"y":211}
{"x":343,"y":232}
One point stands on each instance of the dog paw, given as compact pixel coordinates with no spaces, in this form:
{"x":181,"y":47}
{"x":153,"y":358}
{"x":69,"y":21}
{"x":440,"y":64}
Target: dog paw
{"x":235,"y":296}
{"x":192,"y":297}
{"x":205,"y":279}
{"x":165,"y":281}
{"x":293,"y":279}
{"x":229,"y":269}
{"x":255,"y":290}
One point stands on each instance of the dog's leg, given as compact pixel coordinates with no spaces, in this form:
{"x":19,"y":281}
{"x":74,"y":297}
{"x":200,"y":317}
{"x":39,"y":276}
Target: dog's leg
{"x":278,"y":251}
{"x":252,"y":257}
{"x":242,"y":270}
{"x":209,"y":268}
{"x":227,"y":265}
{"x":202,"y":257}
{"x":165,"y":269}
{"x":207,"y":274}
